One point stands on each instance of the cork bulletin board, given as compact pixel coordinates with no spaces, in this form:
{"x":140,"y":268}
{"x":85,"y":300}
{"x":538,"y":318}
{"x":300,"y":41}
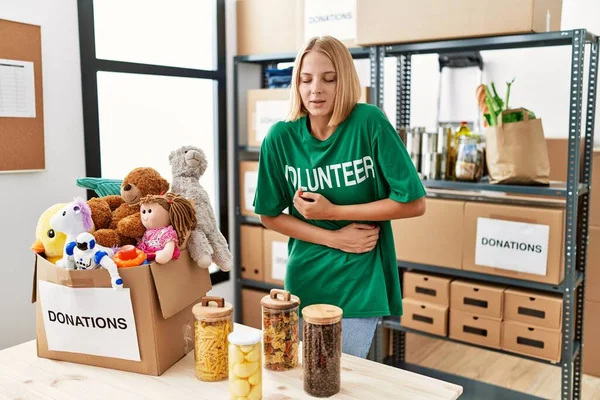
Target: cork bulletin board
{"x":21,"y":107}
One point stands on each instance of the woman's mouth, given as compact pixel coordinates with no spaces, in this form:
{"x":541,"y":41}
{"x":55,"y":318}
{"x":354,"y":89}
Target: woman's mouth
{"x":317,"y":103}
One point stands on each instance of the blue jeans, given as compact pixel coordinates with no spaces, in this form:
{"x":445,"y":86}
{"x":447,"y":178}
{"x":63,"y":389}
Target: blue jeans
{"x":357,"y":335}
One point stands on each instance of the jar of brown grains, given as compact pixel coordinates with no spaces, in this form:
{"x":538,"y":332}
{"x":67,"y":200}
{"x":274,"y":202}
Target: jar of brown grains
{"x":280,"y":330}
{"x":322,"y":349}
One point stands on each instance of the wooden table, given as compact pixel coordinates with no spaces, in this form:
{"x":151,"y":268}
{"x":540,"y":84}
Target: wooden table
{"x":25,"y":376}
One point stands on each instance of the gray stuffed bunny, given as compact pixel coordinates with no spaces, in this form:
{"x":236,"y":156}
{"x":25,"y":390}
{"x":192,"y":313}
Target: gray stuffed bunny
{"x":206,"y":243}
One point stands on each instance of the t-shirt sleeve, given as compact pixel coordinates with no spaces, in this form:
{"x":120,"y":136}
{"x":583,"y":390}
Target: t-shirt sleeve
{"x":395,"y":165}
{"x":270,"y":197}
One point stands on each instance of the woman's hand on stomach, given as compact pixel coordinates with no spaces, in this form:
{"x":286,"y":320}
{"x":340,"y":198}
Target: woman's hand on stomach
{"x":356,"y":238}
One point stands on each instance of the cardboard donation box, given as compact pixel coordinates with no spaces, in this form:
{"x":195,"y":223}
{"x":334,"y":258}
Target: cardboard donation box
{"x":248,"y":182}
{"x":441,"y":228}
{"x":265,"y":108}
{"x":258,"y":32}
{"x":146,"y":327}
{"x":335,"y":18}
{"x":275,"y":257}
{"x":386,"y":22}
{"x":512,"y":241}
{"x":516,"y":152}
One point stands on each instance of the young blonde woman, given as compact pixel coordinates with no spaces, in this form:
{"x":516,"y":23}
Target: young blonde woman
{"x":344,"y":173}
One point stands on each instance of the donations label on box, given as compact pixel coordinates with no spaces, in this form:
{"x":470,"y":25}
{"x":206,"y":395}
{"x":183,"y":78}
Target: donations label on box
{"x":332,"y":17}
{"x":96,"y":321}
{"x":250,"y":182}
{"x":279,"y":257}
{"x":516,"y":246}
{"x":268,"y":112}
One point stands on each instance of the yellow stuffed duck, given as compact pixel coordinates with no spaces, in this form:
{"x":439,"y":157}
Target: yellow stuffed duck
{"x":48,"y":242}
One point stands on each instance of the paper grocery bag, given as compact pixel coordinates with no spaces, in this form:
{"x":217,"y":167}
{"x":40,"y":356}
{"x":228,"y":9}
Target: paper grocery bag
{"x":516,"y":152}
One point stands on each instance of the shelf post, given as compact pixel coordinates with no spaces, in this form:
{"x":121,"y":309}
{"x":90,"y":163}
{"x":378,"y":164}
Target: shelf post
{"x":569,"y":370}
{"x":584,"y":211}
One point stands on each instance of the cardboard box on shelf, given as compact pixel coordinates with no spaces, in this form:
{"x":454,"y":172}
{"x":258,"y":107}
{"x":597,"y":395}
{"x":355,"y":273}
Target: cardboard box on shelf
{"x":265,"y":107}
{"x":251,"y":249}
{"x":259,"y":33}
{"x":477,"y":329}
{"x":248,"y":180}
{"x":275,"y":254}
{"x":426,"y":317}
{"x":441,"y":228}
{"x":532,"y":341}
{"x":477,"y":298}
{"x":533,"y":308}
{"x":514,"y":241}
{"x":251,"y":307}
{"x":319,"y":18}
{"x":268,"y":106}
{"x":386,"y":22}
{"x":427,"y":288}
{"x":146,"y":327}
{"x":591,"y":338}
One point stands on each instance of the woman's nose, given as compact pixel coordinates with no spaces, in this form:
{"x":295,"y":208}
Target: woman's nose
{"x":316,"y":87}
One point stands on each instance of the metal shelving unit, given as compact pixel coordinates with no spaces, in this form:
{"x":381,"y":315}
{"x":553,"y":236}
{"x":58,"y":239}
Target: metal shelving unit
{"x":575,"y":193}
{"x":258,"y":64}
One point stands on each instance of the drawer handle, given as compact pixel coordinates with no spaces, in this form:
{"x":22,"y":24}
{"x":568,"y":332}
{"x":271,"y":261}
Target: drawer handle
{"x":530,"y":342}
{"x":256,"y":271}
{"x":474,"y":302}
{"x":243,"y":269}
{"x":422,"y":318}
{"x":475,"y":331}
{"x":426,"y":291}
{"x":532,"y":313}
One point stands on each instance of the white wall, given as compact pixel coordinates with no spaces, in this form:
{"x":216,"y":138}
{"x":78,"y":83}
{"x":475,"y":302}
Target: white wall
{"x":32,"y":193}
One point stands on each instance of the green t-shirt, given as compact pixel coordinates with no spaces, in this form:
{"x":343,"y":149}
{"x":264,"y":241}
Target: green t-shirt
{"x":364,"y":160}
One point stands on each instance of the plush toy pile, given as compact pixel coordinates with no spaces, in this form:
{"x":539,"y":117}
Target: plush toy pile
{"x":151,"y":220}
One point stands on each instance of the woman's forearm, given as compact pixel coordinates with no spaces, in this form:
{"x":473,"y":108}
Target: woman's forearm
{"x":380,"y":210}
{"x":293,"y":227}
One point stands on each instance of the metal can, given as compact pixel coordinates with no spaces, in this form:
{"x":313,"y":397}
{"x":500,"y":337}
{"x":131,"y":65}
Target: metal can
{"x":413,"y":145}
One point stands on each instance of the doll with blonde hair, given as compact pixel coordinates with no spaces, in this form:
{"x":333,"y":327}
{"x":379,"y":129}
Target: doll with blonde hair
{"x":168,"y":220}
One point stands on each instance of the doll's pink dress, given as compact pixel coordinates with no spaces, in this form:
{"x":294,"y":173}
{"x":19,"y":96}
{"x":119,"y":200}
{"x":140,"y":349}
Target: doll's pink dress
{"x":156,"y":239}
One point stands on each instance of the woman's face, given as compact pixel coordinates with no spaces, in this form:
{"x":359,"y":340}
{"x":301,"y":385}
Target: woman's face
{"x":318,"y":81}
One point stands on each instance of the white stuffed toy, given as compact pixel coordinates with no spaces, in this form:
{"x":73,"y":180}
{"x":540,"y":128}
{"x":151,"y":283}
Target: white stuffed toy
{"x":206,"y":242}
{"x":84,"y":253}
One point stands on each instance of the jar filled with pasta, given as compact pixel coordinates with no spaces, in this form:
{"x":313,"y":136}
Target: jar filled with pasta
{"x":322,"y":349}
{"x":280,"y":330}
{"x":245,"y":364}
{"x":213,"y":323}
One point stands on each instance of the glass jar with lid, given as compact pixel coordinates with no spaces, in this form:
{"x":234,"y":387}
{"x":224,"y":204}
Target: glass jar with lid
{"x":469,"y":159}
{"x":322,"y":349}
{"x":280,"y":330}
{"x":245,"y":364}
{"x":213,"y":323}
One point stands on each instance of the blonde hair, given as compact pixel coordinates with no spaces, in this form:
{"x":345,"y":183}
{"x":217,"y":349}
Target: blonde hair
{"x":181,"y":212}
{"x":347,"y":91}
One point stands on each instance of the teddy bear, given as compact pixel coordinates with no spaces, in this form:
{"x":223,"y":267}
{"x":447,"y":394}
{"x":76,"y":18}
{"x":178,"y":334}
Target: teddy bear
{"x":125,"y":225}
{"x":206,"y":243}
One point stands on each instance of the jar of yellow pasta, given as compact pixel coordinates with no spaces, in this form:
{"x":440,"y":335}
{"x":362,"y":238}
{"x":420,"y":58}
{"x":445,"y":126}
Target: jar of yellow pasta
{"x":280,"y":330}
{"x":245,"y":364}
{"x":213,"y":324}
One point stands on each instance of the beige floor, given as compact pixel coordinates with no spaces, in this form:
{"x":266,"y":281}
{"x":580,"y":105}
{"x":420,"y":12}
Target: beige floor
{"x":515,"y":373}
